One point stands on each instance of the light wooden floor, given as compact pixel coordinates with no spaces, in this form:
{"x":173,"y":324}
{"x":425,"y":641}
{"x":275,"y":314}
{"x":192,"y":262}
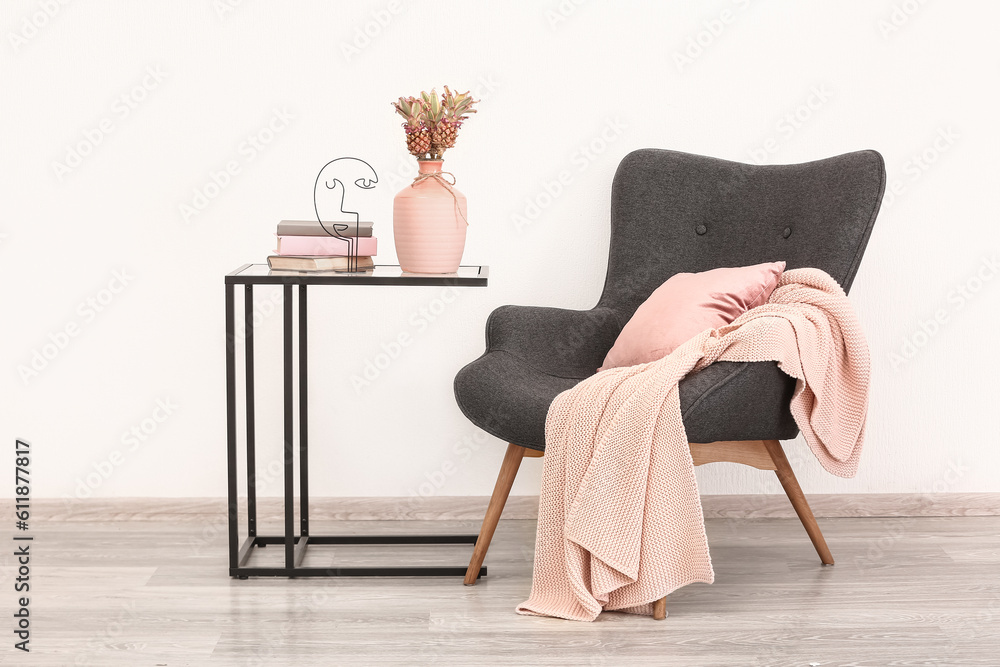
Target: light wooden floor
{"x":921,"y":591}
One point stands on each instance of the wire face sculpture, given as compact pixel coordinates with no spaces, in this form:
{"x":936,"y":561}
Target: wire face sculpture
{"x":334,"y":185}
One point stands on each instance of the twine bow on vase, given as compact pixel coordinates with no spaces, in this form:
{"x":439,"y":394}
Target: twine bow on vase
{"x":439,"y":176}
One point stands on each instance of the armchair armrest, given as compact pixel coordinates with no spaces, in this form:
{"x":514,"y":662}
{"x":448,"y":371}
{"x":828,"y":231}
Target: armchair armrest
{"x":560,"y":342}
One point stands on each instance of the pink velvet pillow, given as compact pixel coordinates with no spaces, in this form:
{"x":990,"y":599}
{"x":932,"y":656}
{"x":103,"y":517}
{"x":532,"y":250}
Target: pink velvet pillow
{"x":687,"y":304}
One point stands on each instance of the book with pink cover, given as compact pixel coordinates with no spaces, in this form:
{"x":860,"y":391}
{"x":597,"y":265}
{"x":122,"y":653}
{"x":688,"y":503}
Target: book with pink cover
{"x":326,"y":245}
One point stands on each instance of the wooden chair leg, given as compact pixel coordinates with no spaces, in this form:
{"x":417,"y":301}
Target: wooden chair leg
{"x":791,"y":486}
{"x":508,"y":471}
{"x":660,"y":609}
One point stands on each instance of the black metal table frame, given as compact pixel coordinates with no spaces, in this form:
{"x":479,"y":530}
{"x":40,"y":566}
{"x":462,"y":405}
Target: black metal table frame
{"x":295,"y":545}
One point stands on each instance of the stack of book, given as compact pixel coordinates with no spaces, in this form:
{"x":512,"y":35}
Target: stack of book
{"x":306,"y":245}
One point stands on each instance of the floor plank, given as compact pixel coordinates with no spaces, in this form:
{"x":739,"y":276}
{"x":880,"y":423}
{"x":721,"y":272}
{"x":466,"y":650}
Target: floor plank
{"x":905,"y":591}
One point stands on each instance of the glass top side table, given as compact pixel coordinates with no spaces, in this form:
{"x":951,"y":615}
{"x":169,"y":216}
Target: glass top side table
{"x":240,"y":551}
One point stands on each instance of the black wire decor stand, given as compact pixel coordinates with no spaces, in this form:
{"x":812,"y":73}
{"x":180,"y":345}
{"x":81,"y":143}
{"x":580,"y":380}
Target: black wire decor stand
{"x":336,"y":227}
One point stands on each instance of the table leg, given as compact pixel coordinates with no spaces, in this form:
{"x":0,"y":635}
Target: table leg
{"x":231,"y":427}
{"x":288,"y":444}
{"x":251,"y":430}
{"x":303,"y":414}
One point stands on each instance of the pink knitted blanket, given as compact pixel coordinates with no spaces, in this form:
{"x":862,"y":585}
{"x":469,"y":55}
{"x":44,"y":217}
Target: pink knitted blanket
{"x":620,"y":522}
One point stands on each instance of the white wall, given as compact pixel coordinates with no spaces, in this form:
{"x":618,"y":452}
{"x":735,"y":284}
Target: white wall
{"x":908,"y":78}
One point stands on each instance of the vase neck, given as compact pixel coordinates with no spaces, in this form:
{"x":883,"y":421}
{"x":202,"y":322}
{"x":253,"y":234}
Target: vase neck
{"x":429,"y":166}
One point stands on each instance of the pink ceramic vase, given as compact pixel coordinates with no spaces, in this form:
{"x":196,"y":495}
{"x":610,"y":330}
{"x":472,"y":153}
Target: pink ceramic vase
{"x":429,"y":223}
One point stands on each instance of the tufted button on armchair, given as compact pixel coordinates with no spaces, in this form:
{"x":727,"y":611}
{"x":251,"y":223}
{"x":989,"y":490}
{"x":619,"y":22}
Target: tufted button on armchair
{"x":673,"y":213}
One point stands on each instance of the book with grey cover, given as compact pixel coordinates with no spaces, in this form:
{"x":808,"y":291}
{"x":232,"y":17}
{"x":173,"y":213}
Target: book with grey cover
{"x":313,"y":228}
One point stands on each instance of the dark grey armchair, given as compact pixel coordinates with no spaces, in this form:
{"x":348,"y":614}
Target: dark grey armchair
{"x":671,"y":213}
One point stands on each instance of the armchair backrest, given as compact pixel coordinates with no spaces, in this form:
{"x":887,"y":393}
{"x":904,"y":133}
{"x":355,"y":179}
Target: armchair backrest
{"x":676,"y":212}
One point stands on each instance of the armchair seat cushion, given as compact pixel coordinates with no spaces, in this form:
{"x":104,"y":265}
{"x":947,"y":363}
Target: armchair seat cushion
{"x":731,"y":400}
{"x":509,"y":398}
